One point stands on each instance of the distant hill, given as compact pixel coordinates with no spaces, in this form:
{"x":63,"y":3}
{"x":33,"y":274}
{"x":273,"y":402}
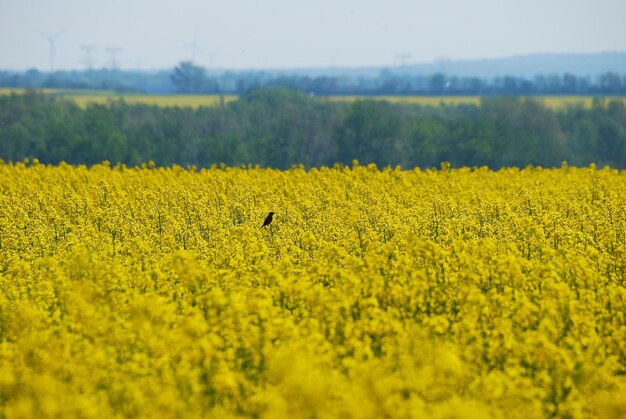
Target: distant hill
{"x":519,"y":66}
{"x":532,"y":65}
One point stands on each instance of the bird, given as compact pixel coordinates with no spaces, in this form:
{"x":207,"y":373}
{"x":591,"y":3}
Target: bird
{"x":268,"y":219}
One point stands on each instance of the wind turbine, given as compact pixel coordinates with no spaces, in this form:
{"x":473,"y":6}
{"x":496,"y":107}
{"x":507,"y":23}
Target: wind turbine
{"x":194,"y":46}
{"x":52,"y":39}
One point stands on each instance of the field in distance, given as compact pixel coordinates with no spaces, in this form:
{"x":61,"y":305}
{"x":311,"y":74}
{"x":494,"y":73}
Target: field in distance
{"x":85,"y":97}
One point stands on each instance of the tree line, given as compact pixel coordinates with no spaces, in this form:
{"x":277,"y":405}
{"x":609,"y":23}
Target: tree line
{"x":276,"y":127}
{"x":187,"y":77}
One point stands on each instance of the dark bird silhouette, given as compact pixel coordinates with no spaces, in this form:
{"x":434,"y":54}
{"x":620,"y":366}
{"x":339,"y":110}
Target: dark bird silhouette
{"x":268,"y":220}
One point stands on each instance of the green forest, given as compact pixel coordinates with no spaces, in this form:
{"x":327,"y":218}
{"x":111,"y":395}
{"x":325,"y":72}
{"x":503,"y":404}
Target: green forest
{"x":279,"y":128}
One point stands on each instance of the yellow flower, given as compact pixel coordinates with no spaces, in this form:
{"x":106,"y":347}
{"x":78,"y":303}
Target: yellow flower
{"x":152,"y":292}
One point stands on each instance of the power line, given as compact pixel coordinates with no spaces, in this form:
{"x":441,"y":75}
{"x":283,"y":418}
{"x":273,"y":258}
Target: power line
{"x":403,"y":59}
{"x":113,"y":51}
{"x":88,"y":51}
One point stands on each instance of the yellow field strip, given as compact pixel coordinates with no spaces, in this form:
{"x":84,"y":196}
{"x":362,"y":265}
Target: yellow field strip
{"x":86,"y":97}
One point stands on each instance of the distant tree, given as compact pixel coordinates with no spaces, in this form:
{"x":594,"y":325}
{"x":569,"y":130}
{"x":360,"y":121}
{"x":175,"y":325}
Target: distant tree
{"x":475,"y":85}
{"x":522,"y":131}
{"x":610,"y":83}
{"x":437,"y":84}
{"x":570,"y":83}
{"x":371,"y":132}
{"x":188,"y":78}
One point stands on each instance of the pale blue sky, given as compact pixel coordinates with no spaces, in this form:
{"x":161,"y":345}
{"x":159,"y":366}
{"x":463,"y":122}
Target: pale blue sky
{"x":242,"y":34}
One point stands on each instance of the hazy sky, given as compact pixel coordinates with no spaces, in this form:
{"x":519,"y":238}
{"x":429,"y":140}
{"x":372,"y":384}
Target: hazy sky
{"x":291,"y":33}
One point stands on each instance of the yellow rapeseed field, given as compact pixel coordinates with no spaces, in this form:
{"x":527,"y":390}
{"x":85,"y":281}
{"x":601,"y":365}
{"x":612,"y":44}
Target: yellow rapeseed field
{"x":184,"y":101}
{"x":84,"y":98}
{"x":550,"y":102}
{"x":450,"y":293}
{"x":195,"y":101}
